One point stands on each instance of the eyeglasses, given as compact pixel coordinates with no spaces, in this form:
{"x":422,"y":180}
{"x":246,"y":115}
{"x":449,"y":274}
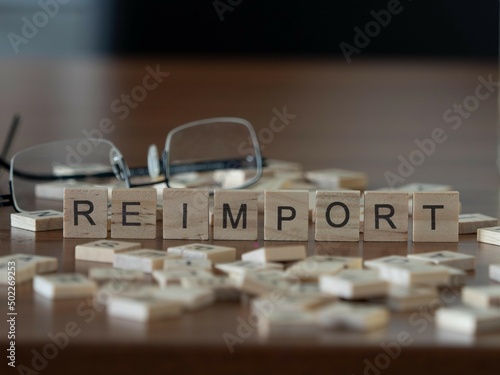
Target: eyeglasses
{"x":220,"y":152}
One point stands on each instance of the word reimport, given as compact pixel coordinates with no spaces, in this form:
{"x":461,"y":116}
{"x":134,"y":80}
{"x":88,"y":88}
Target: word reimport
{"x":337,"y":215}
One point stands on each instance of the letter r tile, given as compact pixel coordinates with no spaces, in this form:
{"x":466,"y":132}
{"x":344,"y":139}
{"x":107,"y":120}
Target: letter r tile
{"x":386,"y":216}
{"x":85,"y":212}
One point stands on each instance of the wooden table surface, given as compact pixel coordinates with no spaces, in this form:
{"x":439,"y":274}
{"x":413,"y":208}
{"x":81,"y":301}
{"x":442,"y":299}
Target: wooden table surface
{"x":363,"y":116}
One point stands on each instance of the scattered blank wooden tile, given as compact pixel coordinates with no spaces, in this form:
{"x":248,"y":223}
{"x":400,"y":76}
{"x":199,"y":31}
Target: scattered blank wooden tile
{"x":64,"y":286}
{"x":190,"y":263}
{"x":262,"y":282}
{"x":391,"y":259}
{"x":22,"y":271}
{"x":435,"y":216}
{"x":337,"y":216}
{"x":92,"y":204}
{"x":235,"y":215}
{"x":43,"y":264}
{"x":419,"y":186}
{"x":216,"y":254}
{"x":494,"y":272}
{"x":244,"y":266}
{"x":276,"y":254}
{"x":103,"y":250}
{"x":489,"y":235}
{"x":457,"y":277}
{"x":123,"y":287}
{"x":287,"y":322}
{"x":467,"y":320}
{"x":311,"y":268}
{"x":143,"y":308}
{"x":392,"y":222}
{"x":145,"y":260}
{"x":133,"y":213}
{"x":223,"y":287}
{"x":482,"y":296}
{"x":355,"y":317}
{"x":233,"y":178}
{"x":185,"y":214}
{"x":354,"y":284}
{"x":308,"y":288}
{"x":101,"y":274}
{"x":286,"y":215}
{"x":411,"y":274}
{"x":470,"y":223}
{"x":290,"y":302}
{"x":37,"y":221}
{"x":190,"y":298}
{"x":172,"y":277}
{"x":337,"y":178}
{"x":405,"y":299}
{"x":447,"y":258}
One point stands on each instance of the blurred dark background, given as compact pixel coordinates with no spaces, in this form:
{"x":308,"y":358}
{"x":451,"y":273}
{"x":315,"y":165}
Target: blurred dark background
{"x":421,"y":28}
{"x":432,"y":28}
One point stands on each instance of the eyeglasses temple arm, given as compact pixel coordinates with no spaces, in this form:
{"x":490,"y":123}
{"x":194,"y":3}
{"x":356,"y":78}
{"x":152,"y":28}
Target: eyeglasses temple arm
{"x":10,"y":135}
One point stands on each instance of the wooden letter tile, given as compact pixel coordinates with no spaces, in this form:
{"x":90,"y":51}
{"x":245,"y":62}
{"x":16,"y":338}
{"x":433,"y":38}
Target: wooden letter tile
{"x":402,"y":298}
{"x":470,"y":223}
{"x":353,"y":316}
{"x":447,"y":258}
{"x":489,"y":235}
{"x":276,"y":254}
{"x":467,"y":320}
{"x":494,"y":272}
{"x":386,"y":216}
{"x":185,"y":214}
{"x":133,"y":213}
{"x":102,"y":274}
{"x":337,"y":216}
{"x":354,"y":284}
{"x":145,"y":260}
{"x":484,"y":296}
{"x":243,"y":266}
{"x":168,"y":277}
{"x":37,"y":221}
{"x":24,"y":271}
{"x":143,"y":307}
{"x":235,"y":214}
{"x":435,"y":216}
{"x":217,"y":254}
{"x":64,"y":286}
{"x":286,"y":215}
{"x":43,"y":264}
{"x":85,"y":213}
{"x":189,"y":263}
{"x":103,"y":250}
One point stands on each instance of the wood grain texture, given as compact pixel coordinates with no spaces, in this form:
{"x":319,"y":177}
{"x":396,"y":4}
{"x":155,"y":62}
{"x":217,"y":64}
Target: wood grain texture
{"x":91,"y":218}
{"x":286,"y":215}
{"x":331,"y":115}
{"x":386,"y":216}
{"x":133,"y":213}
{"x":235,"y":215}
{"x":37,"y":221}
{"x":337,"y":216}
{"x":435,"y":216}
{"x":185,"y":214}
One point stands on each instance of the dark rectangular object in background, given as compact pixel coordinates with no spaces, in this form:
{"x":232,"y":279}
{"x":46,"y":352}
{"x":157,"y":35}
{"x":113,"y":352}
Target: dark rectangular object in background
{"x":444,"y":28}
